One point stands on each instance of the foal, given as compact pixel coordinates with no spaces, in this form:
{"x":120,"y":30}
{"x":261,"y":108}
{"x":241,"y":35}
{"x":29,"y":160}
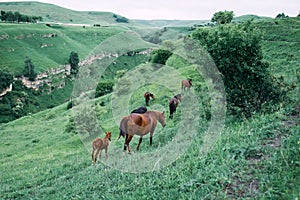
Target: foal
{"x":99,"y":144}
{"x":186,"y":84}
{"x":147,"y":96}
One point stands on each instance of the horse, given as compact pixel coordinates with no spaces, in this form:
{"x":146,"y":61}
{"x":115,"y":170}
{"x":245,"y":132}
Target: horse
{"x":99,"y":144}
{"x":140,"y":110}
{"x":147,"y":96}
{"x":186,"y":84}
{"x":141,"y":125}
{"x":173,"y":103}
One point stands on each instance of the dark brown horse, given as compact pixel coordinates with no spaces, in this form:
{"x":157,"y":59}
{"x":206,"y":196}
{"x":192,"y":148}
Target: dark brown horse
{"x":147,"y":96}
{"x":140,"y":124}
{"x":99,"y":144}
{"x":173,"y":103}
{"x":140,"y":110}
{"x":186,"y":84}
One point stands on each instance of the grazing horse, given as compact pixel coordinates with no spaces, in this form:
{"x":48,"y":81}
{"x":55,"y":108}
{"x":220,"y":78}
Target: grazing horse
{"x":99,"y":144}
{"x":173,"y":103}
{"x":140,"y":110}
{"x":140,"y":124}
{"x":186,"y":84}
{"x":147,"y":96}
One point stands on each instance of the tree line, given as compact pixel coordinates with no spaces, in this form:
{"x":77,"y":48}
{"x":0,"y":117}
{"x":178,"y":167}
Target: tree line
{"x":18,"y":17}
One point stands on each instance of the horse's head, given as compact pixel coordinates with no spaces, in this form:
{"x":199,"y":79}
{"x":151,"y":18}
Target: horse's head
{"x":152,"y":96}
{"x":179,"y":97}
{"x":161,"y":119}
{"x":190,"y":81}
{"x":108,"y":136}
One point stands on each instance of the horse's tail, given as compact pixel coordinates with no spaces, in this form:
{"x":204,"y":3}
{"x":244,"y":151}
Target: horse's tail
{"x":172,"y":108}
{"x":123,"y":127}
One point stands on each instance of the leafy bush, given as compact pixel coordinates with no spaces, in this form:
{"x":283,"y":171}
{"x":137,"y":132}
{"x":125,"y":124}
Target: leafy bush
{"x":222,"y":17}
{"x":29,"y":69}
{"x":236,"y":50}
{"x":6,"y":78}
{"x":160,"y":56}
{"x":104,"y":87}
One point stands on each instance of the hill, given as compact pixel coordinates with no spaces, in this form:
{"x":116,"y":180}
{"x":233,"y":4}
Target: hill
{"x":57,"y":14}
{"x":44,"y":158}
{"x":47,"y":46}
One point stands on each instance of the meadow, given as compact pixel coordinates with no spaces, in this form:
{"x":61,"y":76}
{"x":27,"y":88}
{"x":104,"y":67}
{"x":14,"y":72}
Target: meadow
{"x":44,"y":157}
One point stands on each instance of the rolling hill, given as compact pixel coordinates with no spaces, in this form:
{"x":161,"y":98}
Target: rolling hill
{"x":44,"y":157}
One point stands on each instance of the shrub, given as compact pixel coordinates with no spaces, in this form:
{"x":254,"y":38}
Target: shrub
{"x":236,"y":50}
{"x":104,"y":87}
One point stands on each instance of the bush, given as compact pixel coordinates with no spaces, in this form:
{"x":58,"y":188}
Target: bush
{"x":160,"y":56}
{"x":104,"y":87}
{"x":236,"y":50}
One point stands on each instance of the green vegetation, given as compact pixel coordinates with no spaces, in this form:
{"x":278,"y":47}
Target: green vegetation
{"x":73,"y":61}
{"x":44,"y":157}
{"x":6,"y":78}
{"x":236,"y":50}
{"x":56,"y":14}
{"x":160,"y":56}
{"x":222,"y":17}
{"x":18,"y":17}
{"x":29,"y":70}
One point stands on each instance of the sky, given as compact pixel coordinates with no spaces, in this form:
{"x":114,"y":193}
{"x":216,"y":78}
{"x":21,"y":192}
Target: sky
{"x":181,"y":9}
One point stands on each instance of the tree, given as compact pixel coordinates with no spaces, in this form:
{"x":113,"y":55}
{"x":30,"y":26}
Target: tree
{"x":73,"y":61}
{"x":29,"y":69}
{"x":281,"y":16}
{"x":104,"y":87}
{"x":6,"y":78}
{"x":222,"y":17}
{"x":160,"y":56}
{"x":236,"y":51}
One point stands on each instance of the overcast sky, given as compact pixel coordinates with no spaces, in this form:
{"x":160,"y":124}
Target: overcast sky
{"x":181,"y":9}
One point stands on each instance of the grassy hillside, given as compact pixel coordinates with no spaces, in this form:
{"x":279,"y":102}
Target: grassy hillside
{"x":258,"y":158}
{"x":48,"y":47}
{"x":42,"y":157}
{"x":53,"y":13}
{"x":281,"y":49}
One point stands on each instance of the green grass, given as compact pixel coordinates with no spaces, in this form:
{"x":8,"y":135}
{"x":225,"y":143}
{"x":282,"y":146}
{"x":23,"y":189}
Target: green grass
{"x":53,"y":13}
{"x":40,"y":160}
{"x":30,"y":41}
{"x":256,"y":158}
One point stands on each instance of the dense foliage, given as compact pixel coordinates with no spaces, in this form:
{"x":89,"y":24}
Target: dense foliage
{"x":236,"y":50}
{"x":104,"y":87}
{"x":120,"y":19}
{"x":29,"y":69}
{"x":160,"y":56}
{"x":222,"y":17}
{"x":6,"y":78}
{"x":73,"y":61}
{"x":18,"y":17}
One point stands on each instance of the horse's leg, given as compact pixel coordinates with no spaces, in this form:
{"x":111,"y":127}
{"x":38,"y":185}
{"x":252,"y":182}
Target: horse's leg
{"x":125,"y":146}
{"x":97,"y":155}
{"x":140,"y":141}
{"x":106,"y":155}
{"x":127,"y":143}
{"x":100,"y":154}
{"x":93,"y":158}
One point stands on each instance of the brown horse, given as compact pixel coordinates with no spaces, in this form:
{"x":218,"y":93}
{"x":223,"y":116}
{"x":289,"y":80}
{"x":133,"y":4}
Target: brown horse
{"x":147,"y":96}
{"x":140,"y":124}
{"x":173,"y":103}
{"x":99,"y":144}
{"x":186,"y":84}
